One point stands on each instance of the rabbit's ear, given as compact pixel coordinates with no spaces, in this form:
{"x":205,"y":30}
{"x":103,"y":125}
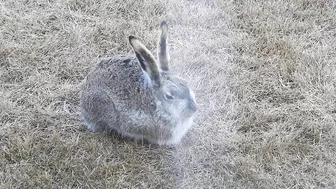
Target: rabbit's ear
{"x":162,"y":47}
{"x":146,"y":59}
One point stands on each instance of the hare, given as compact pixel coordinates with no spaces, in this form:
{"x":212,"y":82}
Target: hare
{"x":138,"y":97}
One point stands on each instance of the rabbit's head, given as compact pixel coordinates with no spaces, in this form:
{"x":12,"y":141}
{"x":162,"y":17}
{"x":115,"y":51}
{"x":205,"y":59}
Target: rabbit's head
{"x":171,"y":92}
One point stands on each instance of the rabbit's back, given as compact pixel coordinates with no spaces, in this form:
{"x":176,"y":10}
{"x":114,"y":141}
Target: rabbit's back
{"x":121,"y":77}
{"x":115,"y":92}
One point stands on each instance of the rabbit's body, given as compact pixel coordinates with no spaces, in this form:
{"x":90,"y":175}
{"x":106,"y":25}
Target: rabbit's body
{"x":123,"y":93}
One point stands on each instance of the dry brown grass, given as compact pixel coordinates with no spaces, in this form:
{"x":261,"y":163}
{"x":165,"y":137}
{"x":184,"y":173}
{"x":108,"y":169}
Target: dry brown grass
{"x":286,"y":92}
{"x":264,"y":74}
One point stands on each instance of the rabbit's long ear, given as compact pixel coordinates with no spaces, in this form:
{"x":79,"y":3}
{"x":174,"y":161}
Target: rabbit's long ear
{"x":162,"y":47}
{"x":146,"y":59}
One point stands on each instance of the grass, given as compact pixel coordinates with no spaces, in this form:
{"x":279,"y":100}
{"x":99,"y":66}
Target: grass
{"x":264,"y":75}
{"x":286,"y":92}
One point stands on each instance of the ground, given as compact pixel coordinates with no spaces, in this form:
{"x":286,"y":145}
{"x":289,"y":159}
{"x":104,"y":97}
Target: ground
{"x":264,"y":74}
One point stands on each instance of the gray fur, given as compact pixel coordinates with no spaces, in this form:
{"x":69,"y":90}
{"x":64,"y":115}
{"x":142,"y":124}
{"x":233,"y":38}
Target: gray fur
{"x":162,"y":47}
{"x":118,"y":94}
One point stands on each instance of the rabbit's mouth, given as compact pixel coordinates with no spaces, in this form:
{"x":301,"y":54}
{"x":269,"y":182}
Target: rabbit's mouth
{"x":188,"y":112}
{"x":192,"y":106}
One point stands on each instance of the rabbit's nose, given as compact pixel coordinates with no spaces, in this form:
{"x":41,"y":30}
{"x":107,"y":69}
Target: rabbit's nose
{"x":192,"y":106}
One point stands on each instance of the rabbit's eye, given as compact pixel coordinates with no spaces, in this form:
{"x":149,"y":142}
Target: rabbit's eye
{"x":169,"y":97}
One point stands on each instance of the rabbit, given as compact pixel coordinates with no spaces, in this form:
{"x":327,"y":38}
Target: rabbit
{"x":138,"y":97}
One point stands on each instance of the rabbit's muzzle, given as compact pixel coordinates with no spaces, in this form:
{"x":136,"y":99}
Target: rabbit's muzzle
{"x":192,"y":107}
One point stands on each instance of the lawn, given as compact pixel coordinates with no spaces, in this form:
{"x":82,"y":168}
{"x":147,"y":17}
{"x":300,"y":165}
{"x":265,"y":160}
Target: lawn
{"x":264,"y":75}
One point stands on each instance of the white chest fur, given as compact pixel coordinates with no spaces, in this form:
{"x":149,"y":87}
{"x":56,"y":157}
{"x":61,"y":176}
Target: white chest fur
{"x":179,"y":131}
